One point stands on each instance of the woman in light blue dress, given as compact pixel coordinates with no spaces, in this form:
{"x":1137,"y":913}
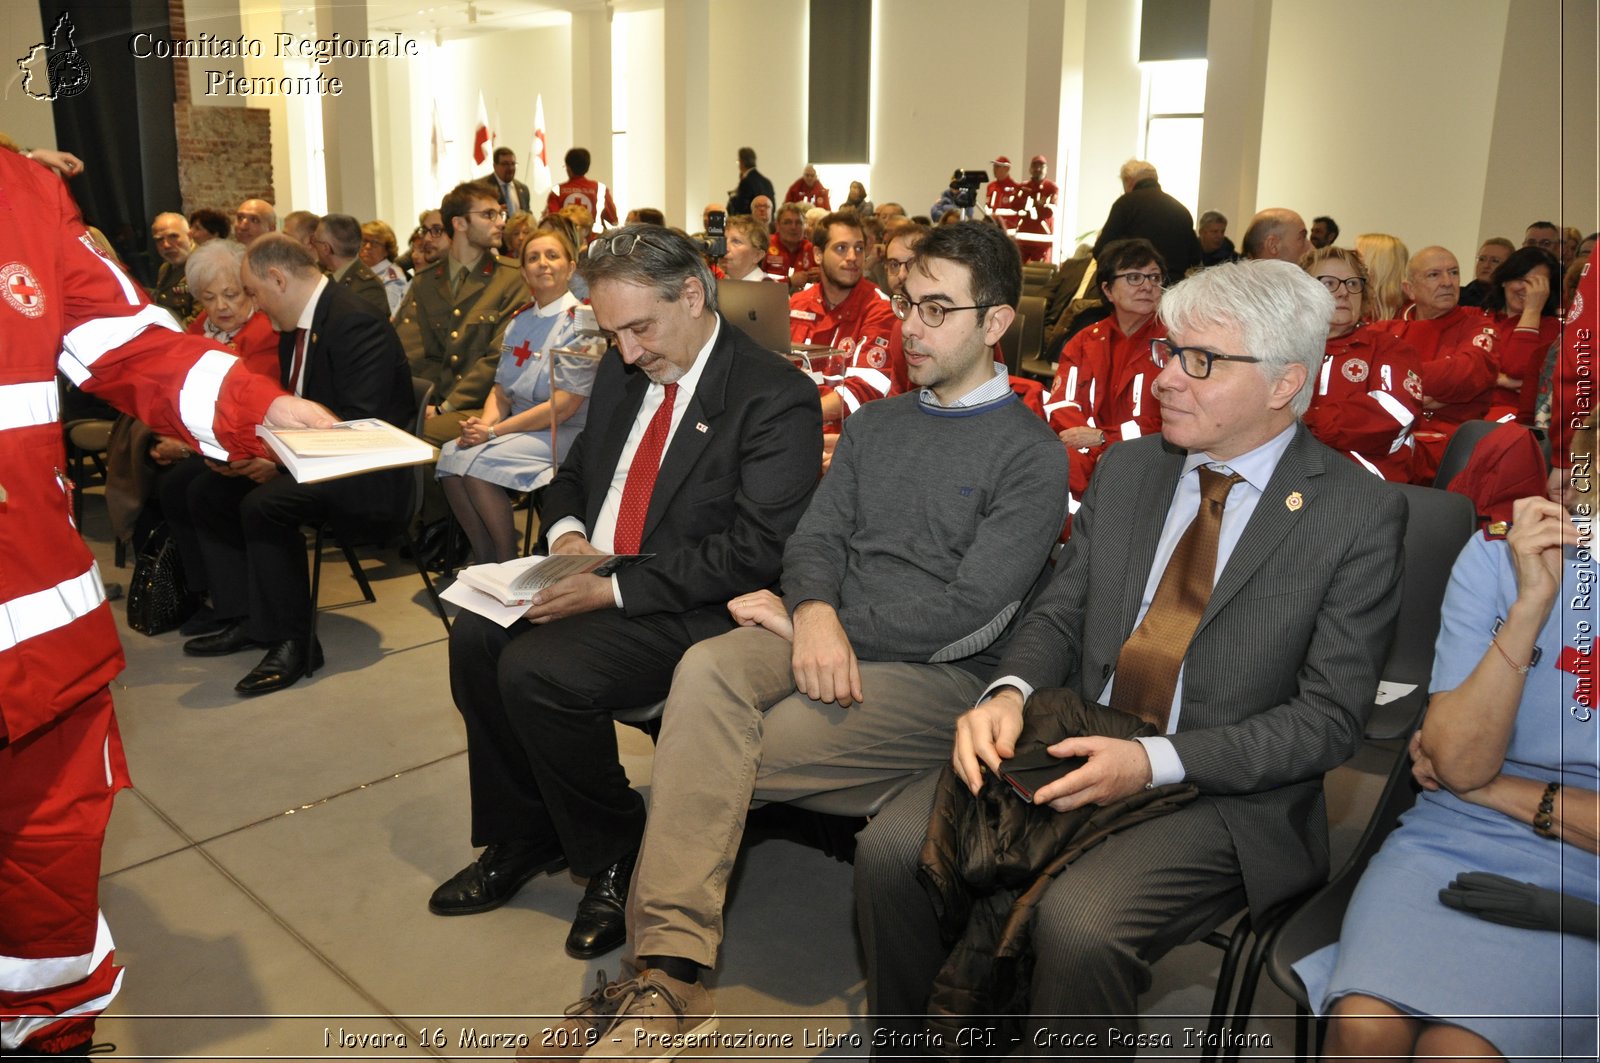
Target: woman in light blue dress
{"x":536,"y":386}
{"x":1507,"y":758}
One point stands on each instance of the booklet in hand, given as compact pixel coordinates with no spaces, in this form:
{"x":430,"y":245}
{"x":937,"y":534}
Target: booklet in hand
{"x":347,"y":449}
{"x":515,"y":582}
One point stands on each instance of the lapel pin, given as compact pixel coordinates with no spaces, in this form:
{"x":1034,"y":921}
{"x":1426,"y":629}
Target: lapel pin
{"x":701,"y":426}
{"x":1294,"y":501}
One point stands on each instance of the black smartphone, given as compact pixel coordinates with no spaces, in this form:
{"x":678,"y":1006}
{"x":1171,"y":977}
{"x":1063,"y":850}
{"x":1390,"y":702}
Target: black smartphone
{"x":1027,"y":773}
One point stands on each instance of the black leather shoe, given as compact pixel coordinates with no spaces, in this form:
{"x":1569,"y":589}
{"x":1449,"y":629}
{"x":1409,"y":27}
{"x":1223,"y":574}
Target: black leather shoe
{"x":203,"y":621}
{"x":231,"y":639}
{"x":601,"y":923}
{"x":494,"y":877}
{"x":283,"y":665}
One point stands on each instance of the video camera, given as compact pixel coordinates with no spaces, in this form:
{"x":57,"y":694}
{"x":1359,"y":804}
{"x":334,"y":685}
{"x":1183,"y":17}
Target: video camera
{"x":715,"y":245}
{"x":966,"y":183}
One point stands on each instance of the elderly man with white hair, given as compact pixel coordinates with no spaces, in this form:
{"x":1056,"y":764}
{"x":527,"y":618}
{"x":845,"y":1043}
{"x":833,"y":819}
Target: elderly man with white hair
{"x":1246,"y":627}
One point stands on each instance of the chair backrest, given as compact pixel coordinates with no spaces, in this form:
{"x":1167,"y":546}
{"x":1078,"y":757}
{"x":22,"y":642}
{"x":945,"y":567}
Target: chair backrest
{"x":1011,"y":345}
{"x":1438,"y":525}
{"x":422,"y":391}
{"x":1318,"y":921}
{"x":1032,"y":310}
{"x":1459,"y":450}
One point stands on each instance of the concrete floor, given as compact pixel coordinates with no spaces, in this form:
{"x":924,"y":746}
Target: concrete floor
{"x":266,"y":881}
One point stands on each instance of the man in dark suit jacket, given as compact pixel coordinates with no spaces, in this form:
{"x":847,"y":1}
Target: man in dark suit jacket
{"x":1276,"y":680}
{"x":1145,"y":210}
{"x":701,"y":451}
{"x":249,"y":516}
{"x":752,"y":184}
{"x":513,"y":193}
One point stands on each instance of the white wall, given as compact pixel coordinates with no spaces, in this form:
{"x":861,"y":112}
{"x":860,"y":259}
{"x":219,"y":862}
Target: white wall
{"x":951,"y":94}
{"x":512,"y":68}
{"x":1110,"y":121}
{"x":638,"y":102}
{"x":758,"y":97}
{"x":1398,"y":141}
{"x":31,"y":123}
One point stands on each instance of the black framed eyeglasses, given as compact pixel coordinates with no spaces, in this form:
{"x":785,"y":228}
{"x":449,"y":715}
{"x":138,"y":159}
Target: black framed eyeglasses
{"x":1194,"y":361}
{"x":931,"y":313}
{"x":1135,"y":279}
{"x":1354,"y":285}
{"x":498,"y":214}
{"x":432,"y":230}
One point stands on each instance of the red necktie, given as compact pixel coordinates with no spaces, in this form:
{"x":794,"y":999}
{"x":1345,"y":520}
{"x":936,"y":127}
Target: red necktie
{"x":1148,"y":666}
{"x":642,"y":477}
{"x":299,"y":359}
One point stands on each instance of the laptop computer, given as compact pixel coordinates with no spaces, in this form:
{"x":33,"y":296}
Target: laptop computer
{"x":760,"y":309}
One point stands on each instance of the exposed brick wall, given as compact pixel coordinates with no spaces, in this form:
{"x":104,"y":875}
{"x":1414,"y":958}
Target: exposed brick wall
{"x":224,"y":153}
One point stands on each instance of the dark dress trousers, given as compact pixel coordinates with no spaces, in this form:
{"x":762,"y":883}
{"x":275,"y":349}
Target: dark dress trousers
{"x":251,"y":536}
{"x":734,"y":479}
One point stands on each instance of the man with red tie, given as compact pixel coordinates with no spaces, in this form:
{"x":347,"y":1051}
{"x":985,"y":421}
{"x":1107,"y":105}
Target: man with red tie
{"x":701,"y":453}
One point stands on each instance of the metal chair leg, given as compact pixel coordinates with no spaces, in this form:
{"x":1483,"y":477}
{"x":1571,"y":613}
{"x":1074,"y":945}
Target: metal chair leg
{"x":316,"y":587}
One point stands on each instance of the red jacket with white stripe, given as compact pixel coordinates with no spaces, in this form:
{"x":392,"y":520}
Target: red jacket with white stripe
{"x":1520,"y":354}
{"x":61,"y":296}
{"x":1367,"y":398}
{"x":1456,"y":352}
{"x":1035,"y":202}
{"x":862,"y":327}
{"x":1103,"y":381}
{"x":781,"y":263}
{"x":587,"y":193}
{"x":799,"y":192}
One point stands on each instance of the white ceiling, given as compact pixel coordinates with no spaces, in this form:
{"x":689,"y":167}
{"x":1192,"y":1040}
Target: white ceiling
{"x":455,"y":19}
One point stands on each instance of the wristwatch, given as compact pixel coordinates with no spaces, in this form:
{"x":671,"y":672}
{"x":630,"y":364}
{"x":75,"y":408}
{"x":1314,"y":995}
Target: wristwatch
{"x":491,"y":432}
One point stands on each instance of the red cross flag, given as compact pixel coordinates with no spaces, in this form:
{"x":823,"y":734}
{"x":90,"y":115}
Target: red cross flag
{"x":482,"y":138}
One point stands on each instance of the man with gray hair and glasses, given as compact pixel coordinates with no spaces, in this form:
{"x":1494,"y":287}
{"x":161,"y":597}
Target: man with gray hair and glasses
{"x":1246,"y":627}
{"x":700,"y":452}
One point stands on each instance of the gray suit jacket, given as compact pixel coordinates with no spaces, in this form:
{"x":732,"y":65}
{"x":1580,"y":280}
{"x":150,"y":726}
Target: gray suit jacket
{"x":1281,"y":673}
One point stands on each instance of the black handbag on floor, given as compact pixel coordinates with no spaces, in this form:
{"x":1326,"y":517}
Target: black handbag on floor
{"x":158,"y":598}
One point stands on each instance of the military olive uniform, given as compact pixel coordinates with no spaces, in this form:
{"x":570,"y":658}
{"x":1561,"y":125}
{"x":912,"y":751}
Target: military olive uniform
{"x":360,"y":279}
{"x":172,"y":292}
{"x":454,"y":340}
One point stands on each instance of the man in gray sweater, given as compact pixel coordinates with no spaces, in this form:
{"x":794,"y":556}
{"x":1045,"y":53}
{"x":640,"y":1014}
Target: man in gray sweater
{"x":900,"y":587}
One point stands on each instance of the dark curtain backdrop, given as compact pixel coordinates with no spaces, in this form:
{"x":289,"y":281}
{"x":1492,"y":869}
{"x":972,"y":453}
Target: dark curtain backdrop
{"x":121,"y":125}
{"x":840,"y":82}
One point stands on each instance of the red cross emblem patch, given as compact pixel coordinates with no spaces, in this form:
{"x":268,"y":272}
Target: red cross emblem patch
{"x":21,"y":291}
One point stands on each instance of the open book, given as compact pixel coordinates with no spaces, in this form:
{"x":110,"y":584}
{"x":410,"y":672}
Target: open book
{"x":515,"y":582}
{"x":350,"y":447}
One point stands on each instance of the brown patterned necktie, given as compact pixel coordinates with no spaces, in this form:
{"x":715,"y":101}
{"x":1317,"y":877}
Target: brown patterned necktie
{"x":1148,"y":666}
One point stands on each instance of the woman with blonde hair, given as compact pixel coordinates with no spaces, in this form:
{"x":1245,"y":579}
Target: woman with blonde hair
{"x":1385,"y":257}
{"x":1369,"y":392}
{"x":379,"y":249}
{"x":510,"y":447}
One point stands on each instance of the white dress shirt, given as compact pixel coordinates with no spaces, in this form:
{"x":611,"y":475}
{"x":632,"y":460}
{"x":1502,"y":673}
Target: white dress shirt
{"x":605,"y":523}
